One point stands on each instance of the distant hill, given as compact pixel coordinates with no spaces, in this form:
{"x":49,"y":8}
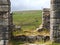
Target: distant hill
{"x":30,"y":11}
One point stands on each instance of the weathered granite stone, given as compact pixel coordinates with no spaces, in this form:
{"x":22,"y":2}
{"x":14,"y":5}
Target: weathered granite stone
{"x":31,"y":39}
{"x":20,"y":38}
{"x":5,"y":21}
{"x":18,"y":27}
{"x":46,"y":18}
{"x":39,"y":37}
{"x":46,"y":38}
{"x":55,"y":21}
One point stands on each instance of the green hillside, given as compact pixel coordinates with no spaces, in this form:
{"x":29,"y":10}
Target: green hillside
{"x":28,"y":20}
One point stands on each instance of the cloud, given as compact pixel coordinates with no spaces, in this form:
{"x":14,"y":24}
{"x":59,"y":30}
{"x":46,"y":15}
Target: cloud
{"x":29,"y":4}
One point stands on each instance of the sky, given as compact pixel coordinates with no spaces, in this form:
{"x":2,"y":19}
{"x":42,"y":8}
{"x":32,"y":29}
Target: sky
{"x":20,"y":5}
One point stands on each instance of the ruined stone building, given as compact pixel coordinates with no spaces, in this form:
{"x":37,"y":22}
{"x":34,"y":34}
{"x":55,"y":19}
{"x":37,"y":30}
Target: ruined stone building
{"x":55,"y":21}
{"x":46,"y":18}
{"x":5,"y":22}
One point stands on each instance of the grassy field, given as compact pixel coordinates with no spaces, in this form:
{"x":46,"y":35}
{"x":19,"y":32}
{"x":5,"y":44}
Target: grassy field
{"x":28,"y":20}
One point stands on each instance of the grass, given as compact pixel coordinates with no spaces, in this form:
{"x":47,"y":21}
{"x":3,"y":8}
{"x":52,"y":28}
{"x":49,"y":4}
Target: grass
{"x":55,"y":43}
{"x":28,"y":20}
{"x":51,"y":43}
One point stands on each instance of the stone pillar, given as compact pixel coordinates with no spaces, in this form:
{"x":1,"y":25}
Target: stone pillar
{"x":55,"y":21}
{"x":4,"y":22}
{"x":46,"y":18}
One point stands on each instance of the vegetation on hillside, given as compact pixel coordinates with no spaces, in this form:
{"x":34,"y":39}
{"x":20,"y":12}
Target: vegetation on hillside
{"x":28,"y":20}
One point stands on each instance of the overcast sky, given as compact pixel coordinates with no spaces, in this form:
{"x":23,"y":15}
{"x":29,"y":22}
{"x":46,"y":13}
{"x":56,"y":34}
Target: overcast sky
{"x":19,"y":5}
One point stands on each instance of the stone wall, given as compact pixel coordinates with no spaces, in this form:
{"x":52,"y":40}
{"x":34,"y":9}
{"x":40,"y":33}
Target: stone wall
{"x":46,"y":18}
{"x":31,"y":39}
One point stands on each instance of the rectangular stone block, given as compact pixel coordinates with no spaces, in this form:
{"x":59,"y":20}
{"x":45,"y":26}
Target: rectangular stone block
{"x":4,"y":7}
{"x":3,"y":2}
